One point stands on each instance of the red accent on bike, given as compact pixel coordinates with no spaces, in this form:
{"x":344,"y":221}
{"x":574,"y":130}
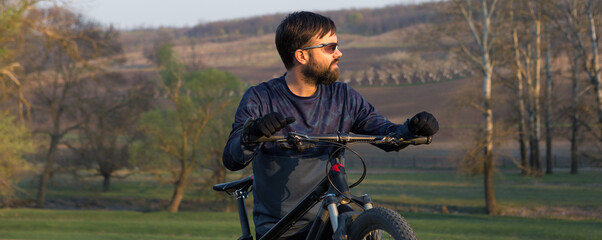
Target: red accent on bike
{"x":336,"y":167}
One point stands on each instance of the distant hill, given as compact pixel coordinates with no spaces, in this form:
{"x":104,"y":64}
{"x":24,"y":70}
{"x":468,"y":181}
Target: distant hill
{"x":364,"y":21}
{"x":351,"y":21}
{"x":383,"y":46}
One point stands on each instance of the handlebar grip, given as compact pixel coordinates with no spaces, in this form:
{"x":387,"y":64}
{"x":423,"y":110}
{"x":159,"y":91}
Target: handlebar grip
{"x":419,"y":140}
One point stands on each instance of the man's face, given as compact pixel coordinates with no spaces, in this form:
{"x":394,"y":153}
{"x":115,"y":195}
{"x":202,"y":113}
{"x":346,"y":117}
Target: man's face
{"x":322,"y":66}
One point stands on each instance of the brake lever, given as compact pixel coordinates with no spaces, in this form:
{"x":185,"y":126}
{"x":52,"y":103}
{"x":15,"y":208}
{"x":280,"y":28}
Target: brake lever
{"x":294,"y":141}
{"x":295,"y":136}
{"x":387,"y":140}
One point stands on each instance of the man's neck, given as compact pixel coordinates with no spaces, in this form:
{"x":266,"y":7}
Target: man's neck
{"x":298,"y":84}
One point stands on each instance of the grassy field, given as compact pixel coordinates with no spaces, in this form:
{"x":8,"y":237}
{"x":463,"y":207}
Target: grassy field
{"x":396,"y":187}
{"x":512,"y":190}
{"x":100,"y":224}
{"x":557,"y":206}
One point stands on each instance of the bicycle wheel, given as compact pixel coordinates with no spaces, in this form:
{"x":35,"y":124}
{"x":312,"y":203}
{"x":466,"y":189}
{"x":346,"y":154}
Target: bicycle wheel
{"x":381,"y":223}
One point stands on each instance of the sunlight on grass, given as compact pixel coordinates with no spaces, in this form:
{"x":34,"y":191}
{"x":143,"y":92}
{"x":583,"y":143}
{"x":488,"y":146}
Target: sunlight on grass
{"x":513,"y":190}
{"x":87,"y":224}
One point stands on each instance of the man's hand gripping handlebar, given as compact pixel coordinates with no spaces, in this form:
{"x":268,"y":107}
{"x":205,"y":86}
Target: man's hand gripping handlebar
{"x":264,"y":126}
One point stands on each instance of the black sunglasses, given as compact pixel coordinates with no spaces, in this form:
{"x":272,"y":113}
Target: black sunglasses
{"x":330,"y":48}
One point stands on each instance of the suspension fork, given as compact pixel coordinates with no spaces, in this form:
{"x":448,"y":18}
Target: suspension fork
{"x":338,"y":191}
{"x":332,"y":197}
{"x":338,"y":175}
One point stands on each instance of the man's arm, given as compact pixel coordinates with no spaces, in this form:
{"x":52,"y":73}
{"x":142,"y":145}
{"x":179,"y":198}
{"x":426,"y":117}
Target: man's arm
{"x":240,"y":149}
{"x":236,"y":155}
{"x":422,"y":124}
{"x":368,"y":121}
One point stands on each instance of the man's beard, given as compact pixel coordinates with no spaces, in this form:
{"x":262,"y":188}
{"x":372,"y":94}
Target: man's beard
{"x":316,"y":75}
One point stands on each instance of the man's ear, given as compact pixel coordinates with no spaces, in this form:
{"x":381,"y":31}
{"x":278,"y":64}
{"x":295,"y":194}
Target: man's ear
{"x":302,"y":57}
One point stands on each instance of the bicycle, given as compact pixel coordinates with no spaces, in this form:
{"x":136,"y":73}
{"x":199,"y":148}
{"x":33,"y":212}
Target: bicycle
{"x":369,"y":223}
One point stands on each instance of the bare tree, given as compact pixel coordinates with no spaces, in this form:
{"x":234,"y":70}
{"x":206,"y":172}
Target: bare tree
{"x":593,"y":68}
{"x":67,"y":47}
{"x":548,"y":102}
{"x":534,"y":89}
{"x":483,"y":37}
{"x":578,"y":25}
{"x":575,"y":115}
{"x":527,"y":37}
{"x":114,"y":105}
{"x":520,"y":72}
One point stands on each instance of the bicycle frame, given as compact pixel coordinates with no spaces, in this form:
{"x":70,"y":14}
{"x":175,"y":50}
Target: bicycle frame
{"x":325,"y":193}
{"x":331,"y":190}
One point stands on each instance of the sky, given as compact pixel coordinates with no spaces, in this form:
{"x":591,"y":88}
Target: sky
{"x":128,"y":14}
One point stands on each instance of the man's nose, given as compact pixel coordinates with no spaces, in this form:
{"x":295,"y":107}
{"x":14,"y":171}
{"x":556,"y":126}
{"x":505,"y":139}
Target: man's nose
{"x":338,"y":53}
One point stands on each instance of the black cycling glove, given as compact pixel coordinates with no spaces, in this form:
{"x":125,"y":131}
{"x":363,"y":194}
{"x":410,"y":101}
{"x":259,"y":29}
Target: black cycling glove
{"x":265,"y":126}
{"x":423,"y":124}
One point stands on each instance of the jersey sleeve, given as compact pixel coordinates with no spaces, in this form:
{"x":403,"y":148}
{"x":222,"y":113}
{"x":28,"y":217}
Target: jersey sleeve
{"x":367,"y":120}
{"x":236,"y":155}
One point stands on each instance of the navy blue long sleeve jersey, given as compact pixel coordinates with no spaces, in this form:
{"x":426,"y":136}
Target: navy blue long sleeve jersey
{"x":284,"y":177}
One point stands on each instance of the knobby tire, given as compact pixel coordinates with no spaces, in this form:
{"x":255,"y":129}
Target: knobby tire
{"x":381,"y":223}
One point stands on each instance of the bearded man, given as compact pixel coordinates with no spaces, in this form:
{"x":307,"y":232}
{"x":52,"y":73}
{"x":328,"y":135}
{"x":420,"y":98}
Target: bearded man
{"x":307,"y":99}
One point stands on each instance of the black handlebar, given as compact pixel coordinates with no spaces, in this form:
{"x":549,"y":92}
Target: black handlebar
{"x":344,"y":138}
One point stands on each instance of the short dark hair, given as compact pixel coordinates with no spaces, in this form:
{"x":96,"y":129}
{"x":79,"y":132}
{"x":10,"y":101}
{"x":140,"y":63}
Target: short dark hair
{"x":297,"y":29}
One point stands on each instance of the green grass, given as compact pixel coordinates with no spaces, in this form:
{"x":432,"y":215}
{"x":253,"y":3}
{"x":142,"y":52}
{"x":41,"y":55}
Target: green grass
{"x":512,"y":190}
{"x":404,"y":187}
{"x":438,"y":226}
{"x":90,"y":224}
{"x":403,"y":190}
{"x":430,"y":189}
{"x":136,"y":187}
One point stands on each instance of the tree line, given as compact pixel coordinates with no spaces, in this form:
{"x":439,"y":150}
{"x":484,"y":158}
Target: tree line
{"x":526,"y":46}
{"x":350,"y":21}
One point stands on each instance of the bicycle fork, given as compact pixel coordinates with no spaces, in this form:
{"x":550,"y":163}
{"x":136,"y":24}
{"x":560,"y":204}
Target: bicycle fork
{"x":339,"y":193}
